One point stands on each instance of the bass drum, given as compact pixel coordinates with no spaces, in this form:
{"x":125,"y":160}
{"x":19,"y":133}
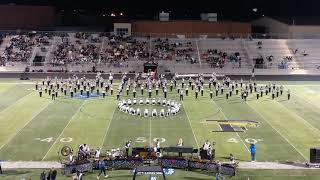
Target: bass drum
{"x":66,"y":151}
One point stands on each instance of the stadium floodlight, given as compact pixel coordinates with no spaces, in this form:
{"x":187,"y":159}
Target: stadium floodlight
{"x":113,"y":15}
{"x":121,"y":14}
{"x":255,"y":9}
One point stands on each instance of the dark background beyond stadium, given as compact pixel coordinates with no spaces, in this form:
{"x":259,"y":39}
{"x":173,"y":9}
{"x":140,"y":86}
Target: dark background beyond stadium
{"x":97,"y":12}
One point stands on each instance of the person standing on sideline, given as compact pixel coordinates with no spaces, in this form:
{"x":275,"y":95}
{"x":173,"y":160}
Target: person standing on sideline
{"x":288,"y":92}
{"x":102,"y":169}
{"x":43,"y":175}
{"x":253,"y":151}
{"x":53,"y":174}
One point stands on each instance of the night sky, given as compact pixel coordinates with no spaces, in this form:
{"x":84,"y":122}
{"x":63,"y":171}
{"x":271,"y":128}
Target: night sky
{"x":143,"y":9}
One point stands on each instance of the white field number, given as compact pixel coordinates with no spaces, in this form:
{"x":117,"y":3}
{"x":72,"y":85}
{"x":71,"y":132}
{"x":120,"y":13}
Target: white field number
{"x":144,"y":139}
{"x":252,"y":141}
{"x":248,"y":140}
{"x":50,"y":139}
{"x":66,"y":140}
{"x":232,"y":140}
{"x":161,"y":140}
{"x":141,"y":140}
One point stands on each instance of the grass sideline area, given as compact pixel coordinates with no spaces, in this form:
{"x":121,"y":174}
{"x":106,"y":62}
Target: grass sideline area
{"x":33,"y":174}
{"x":34,"y":128}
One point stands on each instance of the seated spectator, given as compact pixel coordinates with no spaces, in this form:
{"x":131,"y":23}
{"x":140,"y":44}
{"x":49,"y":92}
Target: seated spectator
{"x":270,"y":58}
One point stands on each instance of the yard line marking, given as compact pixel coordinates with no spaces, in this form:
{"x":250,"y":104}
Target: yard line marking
{"x":105,"y":135}
{"x":276,"y":130}
{"x":18,"y":100}
{"x":225,"y":117}
{"x":307,"y":102}
{"x":185,"y":110}
{"x":208,"y":123}
{"x":25,"y":125}
{"x":305,"y":122}
{"x":150,"y":133}
{"x":82,"y":104}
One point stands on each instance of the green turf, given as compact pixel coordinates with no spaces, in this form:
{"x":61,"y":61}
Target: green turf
{"x":47,"y":126}
{"x":18,"y":115}
{"x":90,"y":124}
{"x":11,"y":93}
{"x":34,"y":128}
{"x":287,"y":129}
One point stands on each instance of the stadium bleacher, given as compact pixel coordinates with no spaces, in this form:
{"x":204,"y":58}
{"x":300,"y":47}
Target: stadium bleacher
{"x":79,"y":51}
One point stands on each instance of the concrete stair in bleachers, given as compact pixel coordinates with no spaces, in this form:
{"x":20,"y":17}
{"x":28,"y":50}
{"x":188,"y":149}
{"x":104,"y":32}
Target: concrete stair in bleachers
{"x":278,"y":48}
{"x":311,"y":47}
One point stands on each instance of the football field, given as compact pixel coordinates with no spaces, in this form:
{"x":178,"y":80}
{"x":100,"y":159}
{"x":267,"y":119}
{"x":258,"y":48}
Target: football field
{"x":34,"y":128}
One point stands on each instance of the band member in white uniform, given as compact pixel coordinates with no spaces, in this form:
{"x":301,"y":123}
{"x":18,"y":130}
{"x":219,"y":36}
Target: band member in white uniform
{"x":162,"y":112}
{"x":180,"y":144}
{"x":97,"y":153}
{"x":138,"y":112}
{"x":154,"y":113}
{"x":146,"y":113}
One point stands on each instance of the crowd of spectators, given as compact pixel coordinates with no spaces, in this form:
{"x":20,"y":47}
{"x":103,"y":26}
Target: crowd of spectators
{"x":84,"y":49}
{"x":215,"y":58}
{"x":218,"y":59}
{"x":81,"y":48}
{"x":19,"y":48}
{"x":120,"y":49}
{"x":178,"y":51}
{"x":2,"y":57}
